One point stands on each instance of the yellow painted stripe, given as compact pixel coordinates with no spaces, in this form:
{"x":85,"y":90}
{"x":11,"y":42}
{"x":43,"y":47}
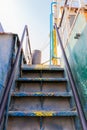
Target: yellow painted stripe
{"x":44,"y":113}
{"x":54,"y":60}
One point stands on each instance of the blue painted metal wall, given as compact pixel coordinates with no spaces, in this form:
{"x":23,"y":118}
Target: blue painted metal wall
{"x":6,"y":47}
{"x":76,"y":51}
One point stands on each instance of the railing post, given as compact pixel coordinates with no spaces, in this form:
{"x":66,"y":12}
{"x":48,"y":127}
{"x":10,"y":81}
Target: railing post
{"x":51,"y":33}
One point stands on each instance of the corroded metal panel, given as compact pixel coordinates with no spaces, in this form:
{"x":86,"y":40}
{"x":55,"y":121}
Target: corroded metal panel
{"x":41,"y":102}
{"x":37,"y":123}
{"x":76,"y":52}
{"x":6,"y":45}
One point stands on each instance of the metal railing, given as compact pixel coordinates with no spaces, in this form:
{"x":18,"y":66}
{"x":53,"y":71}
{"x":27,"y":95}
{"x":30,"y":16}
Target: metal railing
{"x":13,"y":71}
{"x":72,"y":83}
{"x":27,"y":48}
{"x":67,"y":14}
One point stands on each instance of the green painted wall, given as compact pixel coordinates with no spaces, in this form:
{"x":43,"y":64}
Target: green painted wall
{"x":76,"y":51}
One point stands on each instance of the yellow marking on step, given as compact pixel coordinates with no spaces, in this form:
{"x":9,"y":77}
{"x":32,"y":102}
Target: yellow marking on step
{"x":44,"y":113}
{"x":40,"y":66}
{"x":38,"y":92}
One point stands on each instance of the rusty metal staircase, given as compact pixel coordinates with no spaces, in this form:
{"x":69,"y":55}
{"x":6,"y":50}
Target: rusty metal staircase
{"x":41,"y":100}
{"x":40,"y":97}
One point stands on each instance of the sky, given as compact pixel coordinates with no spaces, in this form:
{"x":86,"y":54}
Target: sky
{"x":15,"y":14}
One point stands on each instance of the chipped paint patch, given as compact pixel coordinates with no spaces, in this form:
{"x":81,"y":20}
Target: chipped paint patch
{"x":41,"y":67}
{"x":56,"y":94}
{"x":42,"y":79}
{"x":43,"y":113}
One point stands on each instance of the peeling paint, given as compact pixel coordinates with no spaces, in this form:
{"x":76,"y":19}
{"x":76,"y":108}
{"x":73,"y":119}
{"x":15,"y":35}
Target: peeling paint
{"x":42,"y":79}
{"x":42,"y":67}
{"x":6,"y":45}
{"x":42,"y":113}
{"x":56,"y":94}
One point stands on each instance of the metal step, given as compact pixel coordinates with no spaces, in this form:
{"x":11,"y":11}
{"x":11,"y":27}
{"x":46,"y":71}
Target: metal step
{"x":41,"y":67}
{"x":45,"y":72}
{"x":42,"y":79}
{"x":43,"y":113}
{"x":41,"y":86}
{"x":40,"y":103}
{"x":41,"y":100}
{"x":50,"y":94}
{"x":41,"y":123}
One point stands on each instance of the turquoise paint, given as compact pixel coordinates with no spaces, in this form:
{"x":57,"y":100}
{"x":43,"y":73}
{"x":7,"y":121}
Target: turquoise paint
{"x":76,"y":51}
{"x":56,"y":94}
{"x":6,"y":46}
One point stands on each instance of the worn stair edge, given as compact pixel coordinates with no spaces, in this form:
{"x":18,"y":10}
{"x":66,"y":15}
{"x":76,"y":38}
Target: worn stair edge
{"x":56,"y":94}
{"x":41,"y":68}
{"x":42,"y":113}
{"x":42,"y":79}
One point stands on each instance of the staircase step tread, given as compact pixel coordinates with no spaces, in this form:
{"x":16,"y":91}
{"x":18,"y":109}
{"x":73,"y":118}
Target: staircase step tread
{"x":42,"y":113}
{"x":41,"y":79}
{"x":56,"y":94}
{"x":41,"y":67}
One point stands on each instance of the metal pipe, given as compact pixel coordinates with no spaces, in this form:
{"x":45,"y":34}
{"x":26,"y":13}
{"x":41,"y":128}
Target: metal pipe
{"x":50,"y":37}
{"x":73,"y":85}
{"x":51,"y":30}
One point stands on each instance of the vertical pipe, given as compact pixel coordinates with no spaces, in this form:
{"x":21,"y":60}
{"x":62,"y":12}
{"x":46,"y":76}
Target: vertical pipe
{"x":51,"y":23}
{"x":51,"y":32}
{"x":54,"y":60}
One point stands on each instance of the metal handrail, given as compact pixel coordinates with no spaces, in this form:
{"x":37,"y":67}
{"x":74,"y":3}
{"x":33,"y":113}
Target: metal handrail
{"x":72,"y":83}
{"x":63,"y":13}
{"x":12,"y":75}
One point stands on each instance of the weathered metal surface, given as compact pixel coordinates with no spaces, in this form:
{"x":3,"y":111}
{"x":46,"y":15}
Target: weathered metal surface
{"x":42,"y":67}
{"x":6,"y":46}
{"x":38,"y":86}
{"x":76,"y":52}
{"x":42,"y":79}
{"x":73,"y":85}
{"x":40,"y":103}
{"x":56,"y":94}
{"x":40,"y":100}
{"x":41,"y":123}
{"x":43,"y":113}
{"x":36,"y":57}
{"x":58,"y":123}
{"x":43,"y":73}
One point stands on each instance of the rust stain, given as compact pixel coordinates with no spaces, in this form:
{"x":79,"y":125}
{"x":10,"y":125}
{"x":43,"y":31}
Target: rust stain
{"x":85,"y":14}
